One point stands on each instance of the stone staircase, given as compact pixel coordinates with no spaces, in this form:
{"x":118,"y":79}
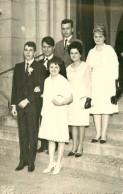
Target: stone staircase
{"x":103,"y":159}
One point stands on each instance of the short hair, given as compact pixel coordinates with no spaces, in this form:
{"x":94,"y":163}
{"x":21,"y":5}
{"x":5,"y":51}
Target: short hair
{"x":30,"y":44}
{"x":48,"y":40}
{"x":56,"y":61}
{"x":76,"y":45}
{"x":100,"y":28}
{"x":66,"y":21}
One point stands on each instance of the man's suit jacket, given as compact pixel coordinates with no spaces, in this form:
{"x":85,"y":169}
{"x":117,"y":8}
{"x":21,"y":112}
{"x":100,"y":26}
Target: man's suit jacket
{"x":63,"y":54}
{"x":24,"y":84}
{"x":62,"y":71}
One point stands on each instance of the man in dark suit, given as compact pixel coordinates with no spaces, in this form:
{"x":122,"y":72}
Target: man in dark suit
{"x":61,"y":46}
{"x":48,"y":46}
{"x":25,"y":102}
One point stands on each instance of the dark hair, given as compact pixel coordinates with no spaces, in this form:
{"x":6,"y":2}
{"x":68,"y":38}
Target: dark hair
{"x":66,"y":21}
{"x":56,"y":61}
{"x":76,"y":45}
{"x":48,"y":40}
{"x":30,"y":44}
{"x":100,"y":28}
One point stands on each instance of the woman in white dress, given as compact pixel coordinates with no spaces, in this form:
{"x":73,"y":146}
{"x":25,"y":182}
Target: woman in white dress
{"x":54,"y":126}
{"x":78,"y":74}
{"x":103,"y":62}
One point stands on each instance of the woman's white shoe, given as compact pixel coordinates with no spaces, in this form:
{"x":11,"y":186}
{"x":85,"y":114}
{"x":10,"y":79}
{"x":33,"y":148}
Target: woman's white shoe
{"x":49,"y":168}
{"x":57,"y":170}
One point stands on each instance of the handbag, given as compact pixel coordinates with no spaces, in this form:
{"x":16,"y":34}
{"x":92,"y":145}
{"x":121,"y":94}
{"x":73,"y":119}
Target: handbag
{"x":119,"y":91}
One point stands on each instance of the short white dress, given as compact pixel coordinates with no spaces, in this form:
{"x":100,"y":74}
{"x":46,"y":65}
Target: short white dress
{"x":80,"y":82}
{"x":104,"y":72}
{"x":54,"y":125}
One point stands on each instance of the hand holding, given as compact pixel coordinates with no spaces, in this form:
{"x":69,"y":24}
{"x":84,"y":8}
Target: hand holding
{"x":88,"y":103}
{"x":23,"y":103}
{"x":56,"y":103}
{"x":37,"y":89}
{"x":114,"y":100}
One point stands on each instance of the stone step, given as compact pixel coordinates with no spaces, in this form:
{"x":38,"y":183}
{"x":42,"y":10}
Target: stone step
{"x":111,"y":148}
{"x":116,"y":119}
{"x":114,"y":132}
{"x":9,"y":120}
{"x":9,"y":133}
{"x":90,"y":163}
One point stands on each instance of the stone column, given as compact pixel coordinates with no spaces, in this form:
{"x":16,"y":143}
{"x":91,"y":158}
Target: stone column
{"x":60,"y":9}
{"x":5,"y":35}
{"x":42,"y":22}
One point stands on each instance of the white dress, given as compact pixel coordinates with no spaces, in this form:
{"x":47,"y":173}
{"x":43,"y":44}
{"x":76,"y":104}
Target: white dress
{"x":104,"y":72}
{"x":54,"y":125}
{"x":80,"y":82}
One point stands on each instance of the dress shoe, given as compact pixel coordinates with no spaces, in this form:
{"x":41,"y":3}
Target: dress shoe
{"x":41,"y":150}
{"x":57,"y":170}
{"x":21,"y":166}
{"x":71,"y":153}
{"x":102,"y":141}
{"x":31,"y":167}
{"x":95,"y":140}
{"x":78,"y":155}
{"x":49,"y":168}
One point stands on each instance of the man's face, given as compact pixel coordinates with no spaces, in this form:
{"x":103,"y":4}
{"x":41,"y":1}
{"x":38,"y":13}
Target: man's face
{"x":66,"y":30}
{"x":29,"y":53}
{"x":47,"y":49}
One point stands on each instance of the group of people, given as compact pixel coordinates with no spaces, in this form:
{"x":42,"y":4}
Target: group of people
{"x":55,"y":95}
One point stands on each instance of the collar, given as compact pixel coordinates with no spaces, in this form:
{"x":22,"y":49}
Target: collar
{"x":50,"y":57}
{"x":68,"y":38}
{"x":29,"y":62}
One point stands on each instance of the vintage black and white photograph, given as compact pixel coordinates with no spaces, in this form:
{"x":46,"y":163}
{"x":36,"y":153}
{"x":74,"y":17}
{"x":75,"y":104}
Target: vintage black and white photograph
{"x":61,"y":96}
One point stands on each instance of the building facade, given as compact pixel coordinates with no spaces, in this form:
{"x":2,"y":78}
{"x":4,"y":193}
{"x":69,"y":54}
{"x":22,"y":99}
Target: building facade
{"x":24,"y":20}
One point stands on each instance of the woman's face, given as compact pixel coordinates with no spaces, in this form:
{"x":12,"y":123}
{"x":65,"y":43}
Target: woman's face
{"x":75,"y":55}
{"x":99,"y":38}
{"x":54,"y":69}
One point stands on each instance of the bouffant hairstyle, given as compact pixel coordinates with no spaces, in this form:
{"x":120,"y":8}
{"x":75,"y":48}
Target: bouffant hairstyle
{"x":48,"y":40}
{"x":76,"y":45}
{"x":30,"y":44}
{"x":100,"y":28}
{"x":56,"y":61}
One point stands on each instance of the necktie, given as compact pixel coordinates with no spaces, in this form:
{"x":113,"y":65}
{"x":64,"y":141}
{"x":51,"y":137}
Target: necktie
{"x":65,"y":45}
{"x":45,"y":62}
{"x":27,"y":65}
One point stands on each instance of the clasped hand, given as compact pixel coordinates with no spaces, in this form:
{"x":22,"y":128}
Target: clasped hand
{"x":56,"y":103}
{"x":37,"y":89}
{"x":23,"y":103}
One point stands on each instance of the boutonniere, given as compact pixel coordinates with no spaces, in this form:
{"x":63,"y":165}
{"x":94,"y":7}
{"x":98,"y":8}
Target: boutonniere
{"x":30,"y":70}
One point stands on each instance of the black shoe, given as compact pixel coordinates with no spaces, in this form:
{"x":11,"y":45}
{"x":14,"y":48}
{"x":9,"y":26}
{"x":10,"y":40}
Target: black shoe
{"x":71,"y":153}
{"x":95,"y":140}
{"x":102,"y":141}
{"x":31,"y":167}
{"x":78,"y":155}
{"x":40,"y":150}
{"x":21,"y":166}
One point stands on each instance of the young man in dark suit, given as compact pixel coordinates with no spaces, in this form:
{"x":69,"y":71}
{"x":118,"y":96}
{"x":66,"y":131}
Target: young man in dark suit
{"x":62,"y":45}
{"x":25,"y":104}
{"x":48,"y":46}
